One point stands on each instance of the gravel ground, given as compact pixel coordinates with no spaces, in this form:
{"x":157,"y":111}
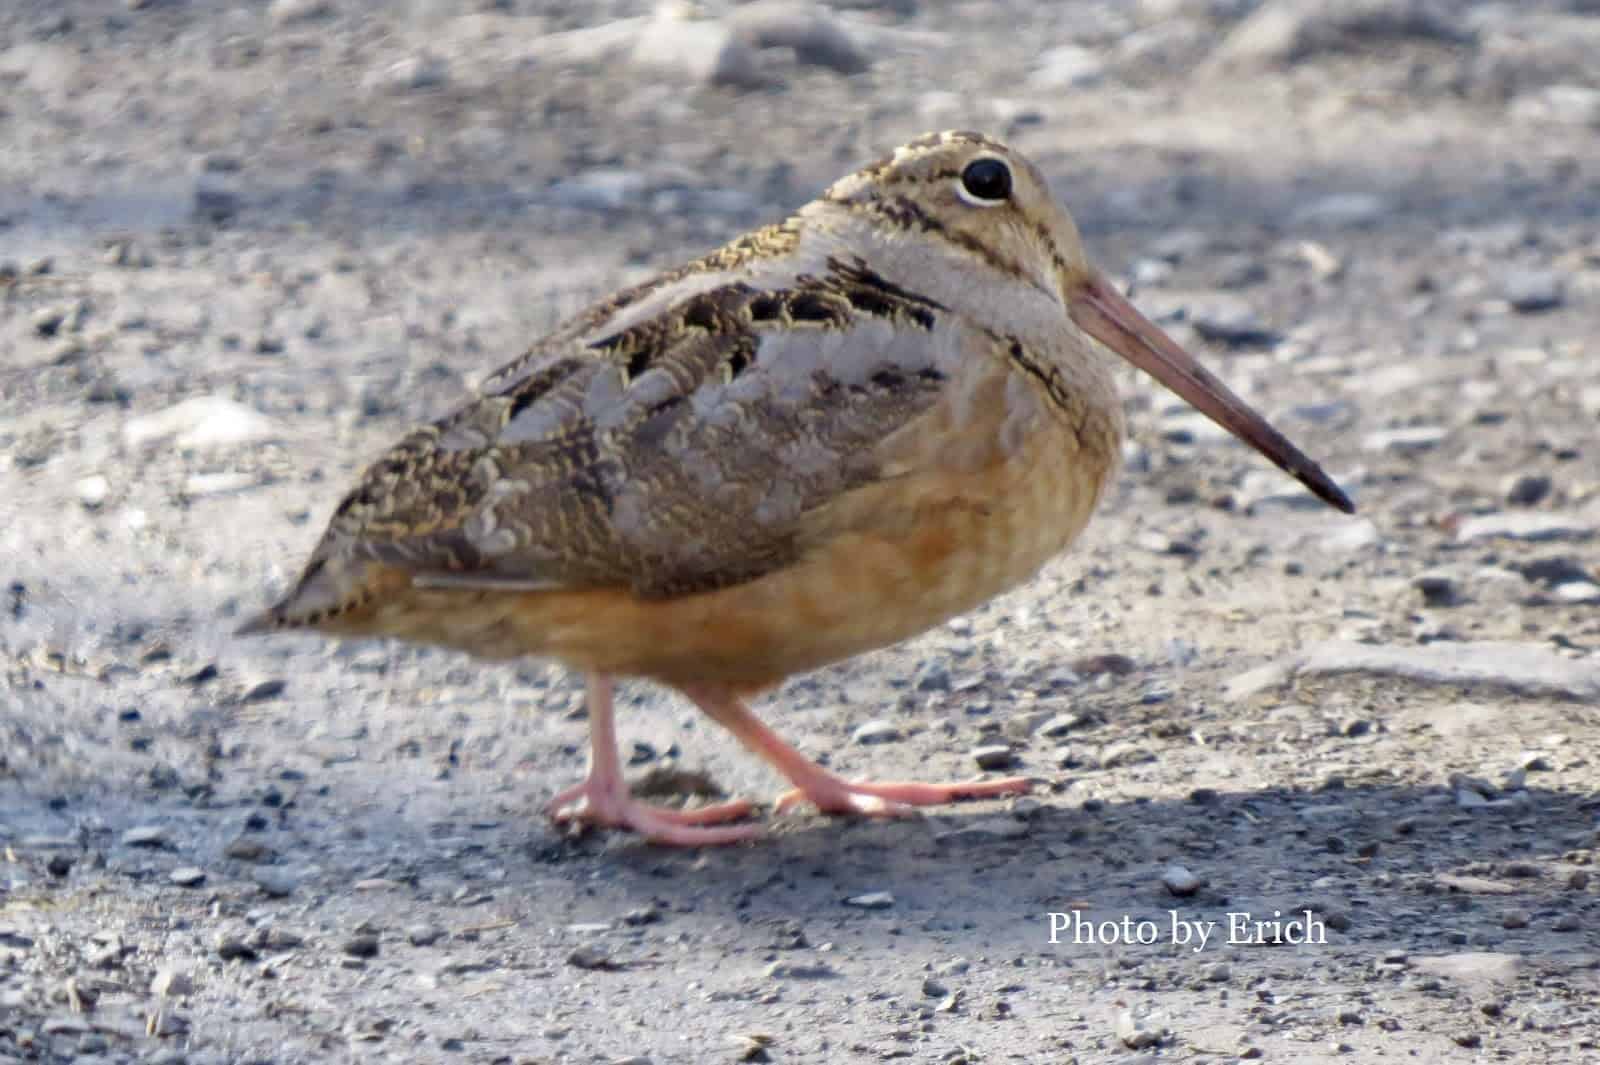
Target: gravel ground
{"x":244,"y":245}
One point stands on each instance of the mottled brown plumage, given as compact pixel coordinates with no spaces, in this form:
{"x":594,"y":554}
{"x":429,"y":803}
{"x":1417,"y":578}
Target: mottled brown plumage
{"x":828,"y":436}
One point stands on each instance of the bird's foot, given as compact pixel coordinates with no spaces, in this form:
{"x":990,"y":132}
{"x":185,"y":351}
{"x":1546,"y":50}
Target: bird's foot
{"x":835,"y":795}
{"x":598,"y":802}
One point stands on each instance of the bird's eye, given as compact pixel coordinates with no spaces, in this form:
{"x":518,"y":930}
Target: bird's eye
{"x":985,"y":183}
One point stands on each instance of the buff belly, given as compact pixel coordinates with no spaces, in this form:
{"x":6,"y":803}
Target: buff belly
{"x":936,"y":546}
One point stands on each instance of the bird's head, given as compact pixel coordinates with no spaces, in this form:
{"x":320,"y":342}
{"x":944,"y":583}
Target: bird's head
{"x":1001,"y":241}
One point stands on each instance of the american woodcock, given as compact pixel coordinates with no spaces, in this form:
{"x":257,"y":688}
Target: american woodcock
{"x":828,"y":436}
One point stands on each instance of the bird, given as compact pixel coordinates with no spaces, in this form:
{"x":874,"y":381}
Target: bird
{"x":833,"y":433}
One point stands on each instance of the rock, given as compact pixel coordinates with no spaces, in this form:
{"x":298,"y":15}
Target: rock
{"x":872,"y":900}
{"x":1114,"y":665}
{"x":789,"y":970}
{"x":201,"y":422}
{"x":1472,"y":967}
{"x":1535,"y":527}
{"x":1352,"y":534}
{"x":932,"y":676}
{"x":1438,"y":588}
{"x":411,"y":74}
{"x":47,"y":321}
{"x":1287,"y":31}
{"x":424,"y":935}
{"x":1577,"y":592}
{"x":1180,"y":881}
{"x":246,"y":849}
{"x":1137,"y":1033}
{"x":1520,"y":668}
{"x":1525,"y":489}
{"x":1070,"y":66}
{"x":171,"y":982}
{"x":1325,"y":266}
{"x":1553,"y":570}
{"x":287,"y":12}
{"x":93,"y":490}
{"x":703,"y":51}
{"x":874,"y":732}
{"x":1349,"y":210}
{"x":145,"y":836}
{"x":216,"y":197}
{"x":263,"y":690}
{"x":1118,"y":755}
{"x":1061,"y":724}
{"x":811,"y":31}
{"x":361,"y":945}
{"x":593,"y":958}
{"x":1530,"y":291}
{"x":985,"y":831}
{"x":187,"y":876}
{"x":230,"y":947}
{"x":995,"y":756}
{"x":1231,"y":322}
{"x":1409,"y":439}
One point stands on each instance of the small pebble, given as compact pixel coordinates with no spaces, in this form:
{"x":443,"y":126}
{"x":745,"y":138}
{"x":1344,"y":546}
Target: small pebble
{"x":1526,"y":489}
{"x":145,"y":836}
{"x":787,"y":970}
{"x":1060,"y":725}
{"x":1531,"y":291}
{"x":93,"y":490}
{"x":932,"y":677}
{"x":245,"y":849}
{"x":593,"y":958}
{"x":231,"y":947}
{"x":997,"y":756}
{"x":364,"y":945}
{"x":1135,"y":1033}
{"x":424,"y":935}
{"x":171,"y":982}
{"x":187,"y":876}
{"x":1514,"y":919}
{"x":874,"y":732}
{"x":1180,"y":881}
{"x":872,"y":900}
{"x":1438,"y":589}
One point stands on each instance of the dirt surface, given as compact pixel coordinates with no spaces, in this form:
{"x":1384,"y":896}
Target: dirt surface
{"x":325,"y":220}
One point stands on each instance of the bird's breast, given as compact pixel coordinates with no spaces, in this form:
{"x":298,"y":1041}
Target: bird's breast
{"x":984,"y":501}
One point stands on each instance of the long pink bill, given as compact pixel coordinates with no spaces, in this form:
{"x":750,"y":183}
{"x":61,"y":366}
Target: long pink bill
{"x":1102,"y":312}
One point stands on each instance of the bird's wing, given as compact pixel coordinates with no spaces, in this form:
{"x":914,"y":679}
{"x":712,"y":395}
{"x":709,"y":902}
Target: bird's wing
{"x":668,"y":443}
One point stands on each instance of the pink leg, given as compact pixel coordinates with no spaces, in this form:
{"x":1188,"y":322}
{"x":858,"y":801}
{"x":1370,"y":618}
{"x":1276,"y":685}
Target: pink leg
{"x":830,"y":792}
{"x":603,"y":798}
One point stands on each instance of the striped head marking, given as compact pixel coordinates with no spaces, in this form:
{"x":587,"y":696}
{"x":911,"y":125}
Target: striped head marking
{"x":976,"y":195}
{"x":991,"y":213}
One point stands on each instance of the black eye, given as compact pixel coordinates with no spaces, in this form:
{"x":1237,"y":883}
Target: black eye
{"x":986,"y":182}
